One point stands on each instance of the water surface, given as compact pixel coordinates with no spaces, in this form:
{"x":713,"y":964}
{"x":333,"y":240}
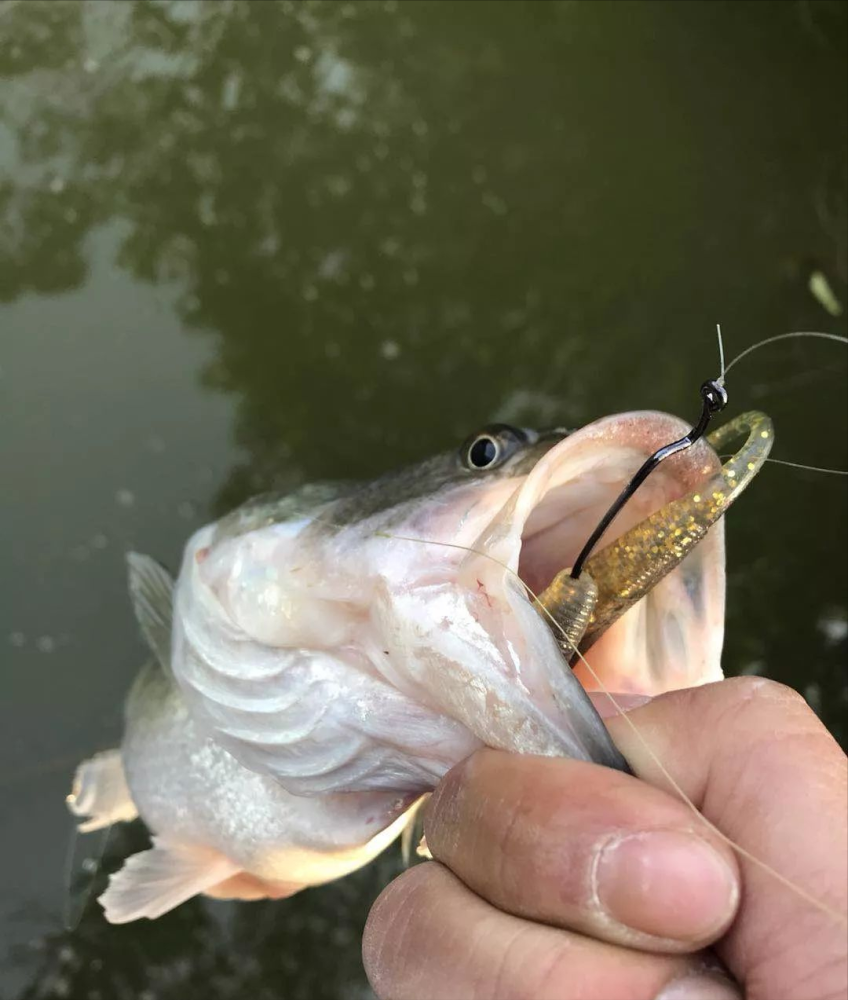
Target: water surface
{"x":249,"y":244}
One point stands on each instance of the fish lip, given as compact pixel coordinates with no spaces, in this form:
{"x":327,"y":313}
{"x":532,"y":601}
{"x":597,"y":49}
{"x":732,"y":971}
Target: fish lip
{"x":586,"y":452}
{"x":643,"y":431}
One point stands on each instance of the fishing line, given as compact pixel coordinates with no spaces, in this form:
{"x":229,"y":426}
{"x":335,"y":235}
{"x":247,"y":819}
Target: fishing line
{"x":714,"y":399}
{"x":771,"y":340}
{"x":783,"y":336}
{"x":808,"y":468}
{"x":723,"y":370}
{"x":797,"y":465}
{"x":738,"y":848}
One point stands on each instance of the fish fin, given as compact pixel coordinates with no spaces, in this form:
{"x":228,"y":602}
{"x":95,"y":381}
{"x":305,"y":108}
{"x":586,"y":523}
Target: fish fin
{"x":248,"y":887}
{"x":152,"y":593}
{"x":100,"y":792}
{"x":155,"y":881}
{"x":413,"y":830}
{"x":406,"y":845}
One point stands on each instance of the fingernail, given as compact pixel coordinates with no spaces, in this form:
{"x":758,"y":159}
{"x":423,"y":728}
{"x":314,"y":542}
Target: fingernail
{"x":700,"y":986}
{"x":666,"y":883}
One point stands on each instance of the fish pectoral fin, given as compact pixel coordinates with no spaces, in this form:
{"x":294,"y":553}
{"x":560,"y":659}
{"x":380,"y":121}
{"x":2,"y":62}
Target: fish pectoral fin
{"x":100,"y":792}
{"x":155,"y":881}
{"x":152,"y":593}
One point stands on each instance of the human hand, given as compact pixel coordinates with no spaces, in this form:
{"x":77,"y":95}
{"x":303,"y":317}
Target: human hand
{"x":556,"y":879}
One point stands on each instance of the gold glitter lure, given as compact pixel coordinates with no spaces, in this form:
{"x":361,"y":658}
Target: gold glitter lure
{"x":599,"y":589}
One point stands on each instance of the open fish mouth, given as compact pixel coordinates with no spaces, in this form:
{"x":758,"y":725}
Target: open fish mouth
{"x":572,"y":486}
{"x":672,"y":635}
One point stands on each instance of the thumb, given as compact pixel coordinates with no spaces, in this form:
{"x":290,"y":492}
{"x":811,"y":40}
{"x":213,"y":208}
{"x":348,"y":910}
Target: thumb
{"x":757,"y":763}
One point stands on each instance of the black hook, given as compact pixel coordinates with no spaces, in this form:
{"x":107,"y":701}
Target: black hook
{"x":714,"y":399}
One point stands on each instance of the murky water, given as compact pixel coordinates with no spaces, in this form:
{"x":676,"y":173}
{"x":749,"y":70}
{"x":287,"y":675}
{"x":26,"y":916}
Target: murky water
{"x":245,"y":244}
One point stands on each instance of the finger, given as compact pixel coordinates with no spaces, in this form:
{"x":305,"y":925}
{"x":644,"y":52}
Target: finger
{"x":759,"y":764}
{"x":584,"y":847}
{"x":429,"y":936}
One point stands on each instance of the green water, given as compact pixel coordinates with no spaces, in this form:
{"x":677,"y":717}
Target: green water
{"x":255,"y":243}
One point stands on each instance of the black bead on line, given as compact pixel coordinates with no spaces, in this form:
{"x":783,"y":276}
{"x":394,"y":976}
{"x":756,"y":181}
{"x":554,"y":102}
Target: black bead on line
{"x":714,"y":399}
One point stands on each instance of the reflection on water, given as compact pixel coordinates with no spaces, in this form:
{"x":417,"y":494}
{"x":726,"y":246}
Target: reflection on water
{"x":385,"y":223}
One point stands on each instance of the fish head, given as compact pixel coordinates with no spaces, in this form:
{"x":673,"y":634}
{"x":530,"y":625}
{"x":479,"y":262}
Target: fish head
{"x":374,"y":636}
{"x":462,"y":571}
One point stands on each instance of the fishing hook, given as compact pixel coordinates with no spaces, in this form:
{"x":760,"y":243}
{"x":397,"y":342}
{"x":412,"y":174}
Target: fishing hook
{"x":714,"y":399}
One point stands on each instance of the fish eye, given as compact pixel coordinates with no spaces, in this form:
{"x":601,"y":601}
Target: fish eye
{"x":491,"y":446}
{"x":483,"y":452}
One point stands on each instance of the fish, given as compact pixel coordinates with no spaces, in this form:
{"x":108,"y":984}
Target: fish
{"x":324,"y":658}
